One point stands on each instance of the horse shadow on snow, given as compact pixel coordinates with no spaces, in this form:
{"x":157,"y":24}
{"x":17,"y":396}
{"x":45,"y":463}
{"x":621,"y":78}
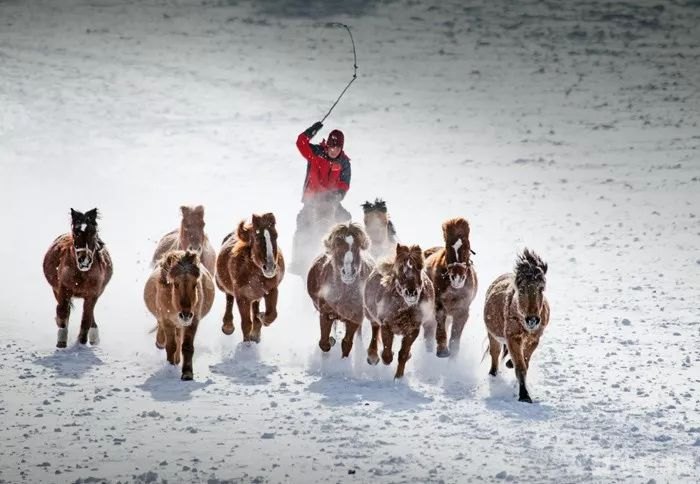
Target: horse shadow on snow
{"x":244,"y":367}
{"x":73,"y":362}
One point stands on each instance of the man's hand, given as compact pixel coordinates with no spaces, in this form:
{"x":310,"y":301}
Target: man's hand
{"x":311,"y":131}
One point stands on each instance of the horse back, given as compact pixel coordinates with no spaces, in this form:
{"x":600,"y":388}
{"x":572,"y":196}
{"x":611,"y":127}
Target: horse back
{"x":166,"y":243}
{"x":498,"y":296}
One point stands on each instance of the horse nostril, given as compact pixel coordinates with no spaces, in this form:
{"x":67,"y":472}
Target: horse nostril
{"x":185,"y":315}
{"x":533,"y":321}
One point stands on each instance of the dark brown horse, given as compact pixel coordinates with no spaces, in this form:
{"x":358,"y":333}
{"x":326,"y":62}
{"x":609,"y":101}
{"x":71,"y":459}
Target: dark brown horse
{"x":336,"y":283}
{"x":399,"y":299}
{"x":379,"y":228}
{"x":190,"y":236}
{"x":452,"y":273}
{"x":516,"y":313}
{"x":249,"y":268}
{"x":179,"y":293}
{"x":78,"y":265}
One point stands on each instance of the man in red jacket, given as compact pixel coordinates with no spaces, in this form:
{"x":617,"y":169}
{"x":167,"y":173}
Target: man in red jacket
{"x":326,"y":183}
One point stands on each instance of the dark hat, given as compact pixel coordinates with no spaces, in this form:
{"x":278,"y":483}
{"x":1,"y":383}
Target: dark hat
{"x":336,"y":138}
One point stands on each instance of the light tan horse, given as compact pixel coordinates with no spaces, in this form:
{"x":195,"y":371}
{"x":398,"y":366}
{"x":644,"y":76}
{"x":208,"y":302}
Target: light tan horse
{"x":516,"y":313}
{"x":78,"y":265}
{"x":190,"y":236}
{"x":179,"y":293}
{"x":454,"y":278}
{"x":336,"y":283}
{"x":249,"y":268}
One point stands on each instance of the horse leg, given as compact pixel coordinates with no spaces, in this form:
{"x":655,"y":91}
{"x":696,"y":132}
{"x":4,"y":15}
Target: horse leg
{"x":188,"y":350}
{"x":160,"y":336}
{"x":270,"y":308}
{"x":528,"y":349}
{"x":87,"y":319}
{"x":388,"y":340}
{"x":171,"y":345}
{"x":372,"y":351}
{"x":244,"y":309}
{"x":227,"y":327}
{"x":515,"y":348}
{"x":405,"y":351}
{"x":441,"y":333}
{"x":327,"y":341}
{"x":495,"y":351}
{"x":257,"y":321}
{"x":62,"y":316}
{"x":459,"y":320}
{"x":350,"y":330}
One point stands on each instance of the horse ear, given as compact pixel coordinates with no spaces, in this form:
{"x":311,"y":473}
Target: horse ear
{"x":74,"y":214}
{"x":199,"y":210}
{"x":269,"y":219}
{"x":401,"y":249}
{"x":91,"y":215}
{"x":544,"y":267}
{"x":243,"y":232}
{"x":166,"y":263}
{"x":185,"y":210}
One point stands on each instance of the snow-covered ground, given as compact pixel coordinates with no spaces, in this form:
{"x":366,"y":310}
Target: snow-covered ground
{"x":567,"y":127}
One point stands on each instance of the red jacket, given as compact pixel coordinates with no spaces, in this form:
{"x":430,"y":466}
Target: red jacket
{"x":323,"y":174}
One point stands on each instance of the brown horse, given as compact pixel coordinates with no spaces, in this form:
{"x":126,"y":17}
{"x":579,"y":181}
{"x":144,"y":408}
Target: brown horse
{"x":516,"y":313}
{"x":336,"y":283}
{"x":179,"y":293}
{"x":190,"y":236}
{"x":250,"y":267}
{"x":78,"y":265}
{"x":453,"y":276}
{"x":380,"y":228}
{"x":399,"y":299}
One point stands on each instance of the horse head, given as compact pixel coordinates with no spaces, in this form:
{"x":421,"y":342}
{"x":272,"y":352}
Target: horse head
{"x":261,"y":236}
{"x":343,"y":245}
{"x":192,"y":228}
{"x":457,"y":251}
{"x":85,"y":240}
{"x":376,"y":221}
{"x":407,"y":272}
{"x":530,"y":282}
{"x":180,"y":271}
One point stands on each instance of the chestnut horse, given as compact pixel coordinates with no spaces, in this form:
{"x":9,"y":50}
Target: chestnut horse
{"x":179,"y":293}
{"x":336,"y":282}
{"x":78,"y":265}
{"x":190,"y":236}
{"x":379,"y":228}
{"x":250,"y":267}
{"x":516,"y":313}
{"x":453,"y":276}
{"x":399,"y":299}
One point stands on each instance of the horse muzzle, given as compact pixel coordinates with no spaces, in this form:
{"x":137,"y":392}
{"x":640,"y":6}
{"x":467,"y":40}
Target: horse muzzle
{"x":457,"y":282}
{"x":83,"y":259}
{"x":185,"y":318}
{"x":532,"y":323}
{"x":348,"y":276}
{"x":411,"y":297}
{"x":269,"y":270}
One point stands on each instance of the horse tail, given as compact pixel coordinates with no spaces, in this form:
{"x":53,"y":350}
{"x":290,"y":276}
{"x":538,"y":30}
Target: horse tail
{"x":504,"y":355}
{"x":486,"y":351}
{"x":153,"y":329}
{"x":227,"y":238}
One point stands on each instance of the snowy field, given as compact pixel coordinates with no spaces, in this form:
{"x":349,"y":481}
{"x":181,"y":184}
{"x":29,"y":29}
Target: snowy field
{"x":567,"y":127}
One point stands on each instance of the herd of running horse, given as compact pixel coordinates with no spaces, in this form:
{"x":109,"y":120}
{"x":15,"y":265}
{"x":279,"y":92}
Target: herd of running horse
{"x":406,"y":290}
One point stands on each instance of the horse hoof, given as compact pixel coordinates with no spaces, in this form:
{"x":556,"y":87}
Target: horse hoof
{"x":373,"y":360}
{"x":61,"y":344}
{"x":332,"y":340}
{"x":82,"y":340}
{"x":94,"y":336}
{"x":525,"y":398}
{"x":159,"y":345}
{"x":186,"y":376}
{"x":443,"y":353}
{"x":492,"y":372}
{"x":227,"y":329}
{"x":509,"y":364}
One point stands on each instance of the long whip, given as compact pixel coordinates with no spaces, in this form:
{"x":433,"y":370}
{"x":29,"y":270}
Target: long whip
{"x":354,"y":75}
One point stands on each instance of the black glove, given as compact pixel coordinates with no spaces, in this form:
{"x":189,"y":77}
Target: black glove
{"x":311,"y":132}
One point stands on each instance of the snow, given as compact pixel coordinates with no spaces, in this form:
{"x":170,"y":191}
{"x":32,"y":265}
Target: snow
{"x":570,"y":128}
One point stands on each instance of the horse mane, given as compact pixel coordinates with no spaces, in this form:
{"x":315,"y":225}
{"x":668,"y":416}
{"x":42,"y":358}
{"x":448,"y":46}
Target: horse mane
{"x":457,"y":227}
{"x":386,"y":266}
{"x":344,"y":230}
{"x":529,"y":267}
{"x":178,"y":262}
{"x":379,"y":205}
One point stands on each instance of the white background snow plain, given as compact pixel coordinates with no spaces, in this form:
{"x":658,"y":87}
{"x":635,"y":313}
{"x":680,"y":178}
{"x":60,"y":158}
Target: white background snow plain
{"x":567,"y":127}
